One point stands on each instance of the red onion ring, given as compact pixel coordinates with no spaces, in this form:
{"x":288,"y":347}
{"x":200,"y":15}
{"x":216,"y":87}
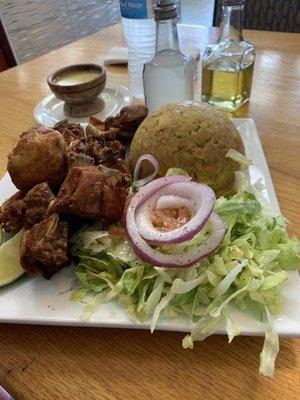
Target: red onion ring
{"x":155,"y":164}
{"x":171,"y":201}
{"x":181,"y":259}
{"x":167,"y":189}
{"x":147,"y":191}
{"x":202,"y":199}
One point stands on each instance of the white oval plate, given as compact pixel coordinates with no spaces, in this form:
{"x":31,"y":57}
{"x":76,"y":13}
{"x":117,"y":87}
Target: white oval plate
{"x":50,"y":110}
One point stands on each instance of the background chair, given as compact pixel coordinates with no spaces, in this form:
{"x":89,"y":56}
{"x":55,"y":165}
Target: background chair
{"x":7,"y":56}
{"x":267,"y":15}
{"x":39,"y":26}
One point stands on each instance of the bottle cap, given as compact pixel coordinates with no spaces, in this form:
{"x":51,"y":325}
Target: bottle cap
{"x":165,"y":9}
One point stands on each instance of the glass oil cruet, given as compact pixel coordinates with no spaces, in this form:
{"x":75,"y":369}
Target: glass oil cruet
{"x":227,"y":67}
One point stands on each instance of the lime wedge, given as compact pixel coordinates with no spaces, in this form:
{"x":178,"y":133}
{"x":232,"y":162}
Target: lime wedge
{"x":10,"y":268}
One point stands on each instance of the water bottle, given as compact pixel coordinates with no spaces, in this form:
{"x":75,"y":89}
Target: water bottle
{"x":139,"y":33}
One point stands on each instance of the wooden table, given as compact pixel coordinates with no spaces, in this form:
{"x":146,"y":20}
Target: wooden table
{"x":68,"y":363}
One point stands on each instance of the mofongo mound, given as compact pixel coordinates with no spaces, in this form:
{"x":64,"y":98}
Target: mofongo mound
{"x":193,"y":136}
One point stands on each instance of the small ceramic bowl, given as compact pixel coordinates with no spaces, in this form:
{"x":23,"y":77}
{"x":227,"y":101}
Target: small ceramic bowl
{"x":79,"y":87}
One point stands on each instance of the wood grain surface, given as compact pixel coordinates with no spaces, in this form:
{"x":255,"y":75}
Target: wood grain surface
{"x":87,"y":363}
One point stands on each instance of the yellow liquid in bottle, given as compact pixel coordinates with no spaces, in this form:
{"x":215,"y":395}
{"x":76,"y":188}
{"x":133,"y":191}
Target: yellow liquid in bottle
{"x":227,"y":90}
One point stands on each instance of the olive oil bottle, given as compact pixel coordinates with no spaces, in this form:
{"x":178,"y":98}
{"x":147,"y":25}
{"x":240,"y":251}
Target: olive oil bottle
{"x":228,"y":64}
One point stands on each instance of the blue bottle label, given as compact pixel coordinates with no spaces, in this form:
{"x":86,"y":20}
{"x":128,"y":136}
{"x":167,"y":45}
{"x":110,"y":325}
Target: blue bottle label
{"x":137,"y":9}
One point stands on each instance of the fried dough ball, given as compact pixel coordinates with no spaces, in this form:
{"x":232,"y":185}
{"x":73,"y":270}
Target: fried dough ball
{"x":38,"y":157}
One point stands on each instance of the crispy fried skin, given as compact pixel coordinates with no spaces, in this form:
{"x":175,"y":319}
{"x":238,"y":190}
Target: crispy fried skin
{"x":19,"y":211}
{"x":38,"y":157}
{"x":92,"y":192}
{"x":101,"y":152}
{"x":120,"y":165}
{"x":37,"y":201}
{"x":97,"y":123}
{"x":117,"y":148}
{"x":111,"y":155}
{"x":96,"y":130}
{"x":44,"y":248}
{"x":12,"y":213}
{"x":74,"y":158}
{"x":70,"y":132}
{"x":127,"y":121}
{"x":94,"y":151}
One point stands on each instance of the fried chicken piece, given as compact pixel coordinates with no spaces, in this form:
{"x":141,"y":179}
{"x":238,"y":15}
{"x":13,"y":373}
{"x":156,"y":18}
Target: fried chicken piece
{"x":12,"y":213}
{"x":127,"y":121}
{"x":102,"y":153}
{"x":98,"y":150}
{"x":44,"y":248}
{"x":92,"y":192}
{"x":70,"y":132}
{"x":38,"y":157}
{"x":114,"y":178}
{"x":78,"y":159}
{"x":98,"y":131}
{"x":120,"y":165}
{"x":78,"y":146}
{"x":92,"y":151}
{"x":97,"y":123}
{"x":19,"y":211}
{"x":37,"y":201}
{"x":117,"y":148}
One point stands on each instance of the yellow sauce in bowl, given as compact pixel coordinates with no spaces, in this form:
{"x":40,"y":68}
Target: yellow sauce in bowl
{"x":76,"y":77}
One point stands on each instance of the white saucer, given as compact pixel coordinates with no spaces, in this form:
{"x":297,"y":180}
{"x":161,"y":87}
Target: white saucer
{"x":50,"y":110}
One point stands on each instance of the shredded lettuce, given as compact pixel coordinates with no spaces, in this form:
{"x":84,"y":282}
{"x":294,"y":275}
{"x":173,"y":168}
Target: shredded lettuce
{"x":248,"y":269}
{"x":160,"y":306}
{"x":270,"y":348}
{"x":231,"y":328}
{"x":238,"y":157}
{"x":205,"y":327}
{"x":225,"y":284}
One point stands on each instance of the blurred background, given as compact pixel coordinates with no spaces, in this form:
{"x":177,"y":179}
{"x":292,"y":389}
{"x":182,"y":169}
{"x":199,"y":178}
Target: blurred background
{"x":35,"y":27}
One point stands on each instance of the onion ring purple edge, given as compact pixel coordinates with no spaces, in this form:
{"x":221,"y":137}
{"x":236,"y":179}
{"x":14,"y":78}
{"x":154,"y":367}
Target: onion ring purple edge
{"x":219,"y":233}
{"x":191,"y":232}
{"x":146,"y":191}
{"x":153,"y":160}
